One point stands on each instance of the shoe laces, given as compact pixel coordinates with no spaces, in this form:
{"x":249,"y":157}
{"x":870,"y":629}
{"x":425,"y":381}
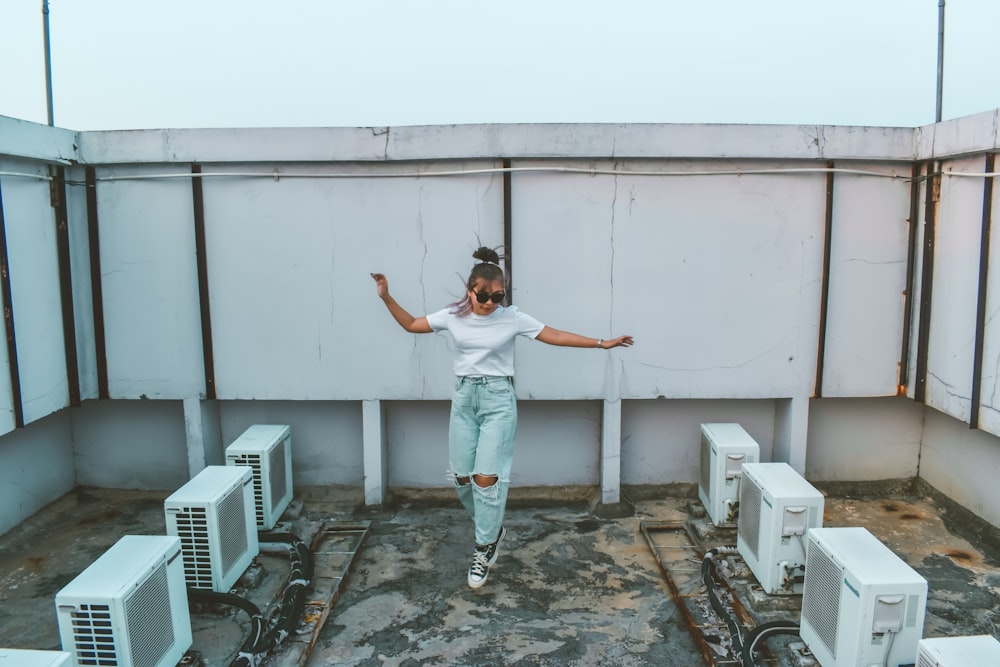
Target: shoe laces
{"x":480,"y":562}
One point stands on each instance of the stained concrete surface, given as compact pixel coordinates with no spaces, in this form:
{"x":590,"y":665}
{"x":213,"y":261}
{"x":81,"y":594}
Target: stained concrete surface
{"x":569,"y":588}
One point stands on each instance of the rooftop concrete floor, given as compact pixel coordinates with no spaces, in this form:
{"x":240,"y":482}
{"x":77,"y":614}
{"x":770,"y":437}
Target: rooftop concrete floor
{"x":569,"y":588}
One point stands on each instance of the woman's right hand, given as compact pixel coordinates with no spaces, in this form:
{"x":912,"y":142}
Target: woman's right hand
{"x":381,"y":285}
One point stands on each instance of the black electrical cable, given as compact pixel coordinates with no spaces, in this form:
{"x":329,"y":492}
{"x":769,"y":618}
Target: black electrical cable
{"x":707,"y":570}
{"x":761,"y":633}
{"x":206,"y":595}
{"x":292,"y":605}
{"x":256,"y":619}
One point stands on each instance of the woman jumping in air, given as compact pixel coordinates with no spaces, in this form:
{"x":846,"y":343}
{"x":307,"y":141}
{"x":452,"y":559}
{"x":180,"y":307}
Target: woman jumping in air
{"x":483,"y":407}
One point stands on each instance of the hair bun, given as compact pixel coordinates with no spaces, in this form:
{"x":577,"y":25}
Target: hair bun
{"x":484,"y":254}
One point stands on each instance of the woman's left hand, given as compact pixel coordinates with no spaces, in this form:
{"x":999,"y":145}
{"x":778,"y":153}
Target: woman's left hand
{"x":621,"y":341}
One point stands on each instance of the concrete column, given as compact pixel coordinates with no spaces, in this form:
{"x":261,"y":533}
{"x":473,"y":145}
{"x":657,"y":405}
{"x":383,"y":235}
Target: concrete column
{"x":374,"y":444}
{"x":791,"y":430}
{"x":611,"y":452}
{"x":203,"y":435}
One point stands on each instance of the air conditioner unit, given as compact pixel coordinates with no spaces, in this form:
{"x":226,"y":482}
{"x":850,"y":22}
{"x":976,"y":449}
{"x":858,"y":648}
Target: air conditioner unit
{"x":267,"y":449}
{"x":12,"y":657}
{"x":214,"y":516}
{"x":724,"y":450}
{"x":861,"y":604}
{"x":777,"y":508}
{"x":129,"y":608}
{"x":954,"y":651}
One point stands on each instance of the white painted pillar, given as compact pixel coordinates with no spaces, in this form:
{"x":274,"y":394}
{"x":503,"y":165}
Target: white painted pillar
{"x":374,"y":445}
{"x":611,"y":453}
{"x":194,"y":433}
{"x":791,"y":430}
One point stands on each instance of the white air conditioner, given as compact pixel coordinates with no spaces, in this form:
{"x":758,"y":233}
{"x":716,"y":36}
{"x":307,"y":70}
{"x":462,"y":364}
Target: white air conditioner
{"x":861,"y":605}
{"x":724,"y":450}
{"x":956,"y":651}
{"x":13,"y":657}
{"x":777,"y":508}
{"x":267,"y":449}
{"x":214,"y":516}
{"x":129,"y":608}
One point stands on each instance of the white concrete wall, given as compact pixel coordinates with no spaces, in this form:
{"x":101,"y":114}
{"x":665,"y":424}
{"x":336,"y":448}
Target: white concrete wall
{"x":864,"y":440}
{"x":718,"y":275}
{"x":130,"y":444}
{"x":36,"y":468}
{"x":661,"y":440}
{"x":962,"y":463}
{"x":326,"y":436}
{"x":36,"y":304}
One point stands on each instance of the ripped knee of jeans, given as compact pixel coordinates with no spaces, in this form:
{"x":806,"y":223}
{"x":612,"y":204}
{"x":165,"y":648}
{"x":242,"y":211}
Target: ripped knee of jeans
{"x":485,"y":481}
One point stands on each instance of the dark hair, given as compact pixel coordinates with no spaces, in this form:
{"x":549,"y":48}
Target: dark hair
{"x":488,"y":269}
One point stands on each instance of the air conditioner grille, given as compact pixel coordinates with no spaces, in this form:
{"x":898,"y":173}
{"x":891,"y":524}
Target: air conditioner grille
{"x":93,"y":636}
{"x":149,"y":619}
{"x":278,"y":483}
{"x":749,"y":518}
{"x":924,"y":661}
{"x":706,"y":463}
{"x":232,"y":529}
{"x":821,"y":600}
{"x":253,"y":461}
{"x":192,"y":529}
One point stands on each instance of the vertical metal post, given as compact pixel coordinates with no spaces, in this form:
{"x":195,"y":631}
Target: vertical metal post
{"x":201,"y":249}
{"x":984,"y":276}
{"x":97,"y":285}
{"x":824,"y":297}
{"x":909,"y":287}
{"x":48,"y":62}
{"x":940,"y":62}
{"x":8,"y":321}
{"x":66,"y":285}
{"x":931,"y":198}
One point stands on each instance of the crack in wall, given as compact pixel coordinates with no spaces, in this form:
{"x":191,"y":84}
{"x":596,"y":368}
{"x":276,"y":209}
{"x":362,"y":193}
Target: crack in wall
{"x":873,"y":263}
{"x":950,"y":390}
{"x":383,"y":132}
{"x":614,"y":202}
{"x":423,"y":288}
{"x":741,"y":364}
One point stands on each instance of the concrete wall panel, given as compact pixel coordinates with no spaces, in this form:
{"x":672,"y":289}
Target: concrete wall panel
{"x":867,"y":282}
{"x":130,"y":444}
{"x":150,"y":283}
{"x":962,"y":463}
{"x":326,"y":436}
{"x":863,"y":439}
{"x":83,"y":300}
{"x":661,"y":440}
{"x":294,"y":309}
{"x":558,"y":442}
{"x":989,"y":398}
{"x":417,"y":443}
{"x":36,"y":468}
{"x":955,"y":291}
{"x":36,"y":298}
{"x":717,"y":277}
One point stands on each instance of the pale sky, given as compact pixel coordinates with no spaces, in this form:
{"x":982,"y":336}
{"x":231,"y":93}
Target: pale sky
{"x":127,"y":64}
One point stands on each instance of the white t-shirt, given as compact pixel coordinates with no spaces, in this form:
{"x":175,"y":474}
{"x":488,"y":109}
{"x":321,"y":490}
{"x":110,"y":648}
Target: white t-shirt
{"x":485,"y":343}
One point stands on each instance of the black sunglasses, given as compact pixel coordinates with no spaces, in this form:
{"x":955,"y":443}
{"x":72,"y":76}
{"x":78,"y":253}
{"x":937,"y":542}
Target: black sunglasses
{"x":496,"y":297}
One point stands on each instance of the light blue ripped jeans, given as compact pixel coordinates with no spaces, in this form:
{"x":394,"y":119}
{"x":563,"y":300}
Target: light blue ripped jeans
{"x":481,"y":442}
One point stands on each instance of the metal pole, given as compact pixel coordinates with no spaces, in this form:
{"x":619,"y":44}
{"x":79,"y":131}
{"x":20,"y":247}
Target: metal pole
{"x":940,"y":61}
{"x":48,"y":61}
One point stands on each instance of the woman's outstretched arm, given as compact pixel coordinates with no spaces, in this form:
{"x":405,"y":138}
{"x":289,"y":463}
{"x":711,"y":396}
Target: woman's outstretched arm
{"x":569,"y":339}
{"x":407,"y":321}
